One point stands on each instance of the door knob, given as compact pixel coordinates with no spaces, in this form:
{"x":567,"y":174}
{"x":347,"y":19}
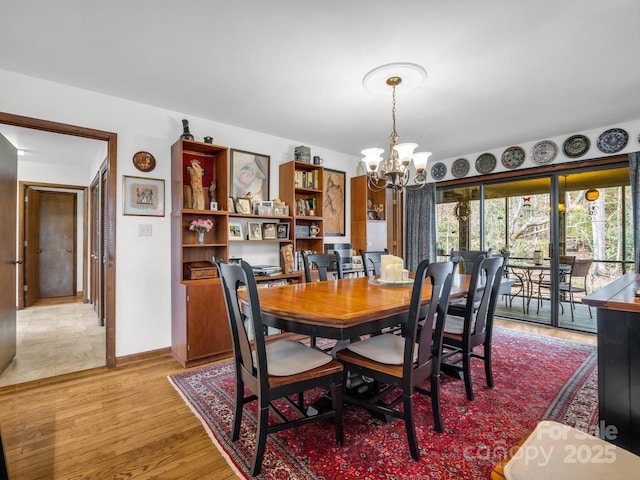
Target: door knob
{"x":19,"y":262}
{"x":69,"y":250}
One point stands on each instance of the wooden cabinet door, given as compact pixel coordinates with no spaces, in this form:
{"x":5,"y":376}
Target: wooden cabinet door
{"x":207,"y":325}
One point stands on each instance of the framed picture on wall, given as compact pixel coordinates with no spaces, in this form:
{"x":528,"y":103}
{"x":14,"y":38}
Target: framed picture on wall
{"x":249,"y":174}
{"x":143,"y":196}
{"x":334,"y":197}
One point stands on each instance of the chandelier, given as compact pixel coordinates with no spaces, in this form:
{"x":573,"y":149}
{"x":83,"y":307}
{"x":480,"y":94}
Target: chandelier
{"x":394,"y":172}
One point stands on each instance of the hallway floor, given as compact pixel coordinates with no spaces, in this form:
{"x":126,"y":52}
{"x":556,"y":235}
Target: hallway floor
{"x":54,"y":340}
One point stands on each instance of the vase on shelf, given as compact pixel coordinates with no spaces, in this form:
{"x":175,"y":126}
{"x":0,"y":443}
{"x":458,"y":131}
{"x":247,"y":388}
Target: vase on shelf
{"x":200,"y":237}
{"x":186,"y":134}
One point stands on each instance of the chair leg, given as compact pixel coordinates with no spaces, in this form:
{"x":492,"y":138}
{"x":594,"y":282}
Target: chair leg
{"x":337,"y":405}
{"x":261,"y":439}
{"x":488,"y":371}
{"x":237,"y":414}
{"x":466,"y":369}
{"x":407,"y":402}
{"x":435,"y":403}
{"x":571,"y":304}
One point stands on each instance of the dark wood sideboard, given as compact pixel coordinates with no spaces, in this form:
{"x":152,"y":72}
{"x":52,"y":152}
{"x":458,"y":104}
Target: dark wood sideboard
{"x":618,"y":317}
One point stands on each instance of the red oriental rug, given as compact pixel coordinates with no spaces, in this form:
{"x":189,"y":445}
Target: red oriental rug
{"x":535,"y":377}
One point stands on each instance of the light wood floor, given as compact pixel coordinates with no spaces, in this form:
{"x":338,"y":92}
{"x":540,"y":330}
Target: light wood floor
{"x":121,"y":423}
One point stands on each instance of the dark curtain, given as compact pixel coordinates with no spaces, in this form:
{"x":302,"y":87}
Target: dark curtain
{"x":420,"y":226}
{"x":634,"y":177}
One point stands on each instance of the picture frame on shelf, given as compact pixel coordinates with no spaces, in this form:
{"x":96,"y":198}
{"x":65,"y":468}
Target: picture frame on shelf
{"x":235,"y":231}
{"x":333,"y":209}
{"x":249,"y":174}
{"x":281,"y":210}
{"x":265,"y":207}
{"x":269,"y":231}
{"x":243,"y":205}
{"x":255,"y":230}
{"x":283,"y":231}
{"x":143,"y":196}
{"x":231,"y":207}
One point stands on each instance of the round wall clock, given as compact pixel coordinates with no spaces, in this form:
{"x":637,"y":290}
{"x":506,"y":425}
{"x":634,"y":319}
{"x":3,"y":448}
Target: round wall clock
{"x":513,"y":157}
{"x":576,"y":146}
{"x":613,"y":140}
{"x":144,"y":161}
{"x":544,"y":152}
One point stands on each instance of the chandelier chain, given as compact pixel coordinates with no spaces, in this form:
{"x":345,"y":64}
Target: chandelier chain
{"x":393,"y":113}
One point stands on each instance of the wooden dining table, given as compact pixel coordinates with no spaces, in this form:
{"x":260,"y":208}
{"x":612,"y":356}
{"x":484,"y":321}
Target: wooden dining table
{"x":343,"y":309}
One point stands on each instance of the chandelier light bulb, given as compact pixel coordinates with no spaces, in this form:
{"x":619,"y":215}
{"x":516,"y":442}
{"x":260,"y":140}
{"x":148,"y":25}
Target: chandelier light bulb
{"x":372,"y":157}
{"x":405,"y":152}
{"x":420,"y":160}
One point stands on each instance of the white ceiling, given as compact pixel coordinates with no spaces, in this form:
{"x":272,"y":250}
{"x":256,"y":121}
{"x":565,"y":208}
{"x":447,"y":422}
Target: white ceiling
{"x":500,"y":72}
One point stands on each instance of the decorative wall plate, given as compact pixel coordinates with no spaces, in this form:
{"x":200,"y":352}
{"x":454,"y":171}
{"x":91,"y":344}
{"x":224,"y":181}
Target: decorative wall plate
{"x":438,"y":171}
{"x":613,"y":140}
{"x":513,"y":157}
{"x":575,"y":146}
{"x":544,"y":152}
{"x":144,"y":161}
{"x":485,"y":163}
{"x":460,"y":168}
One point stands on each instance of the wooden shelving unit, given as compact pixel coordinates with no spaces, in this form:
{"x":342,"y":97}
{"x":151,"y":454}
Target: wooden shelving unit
{"x":369,"y":230}
{"x":199,"y":329}
{"x":301,"y":189}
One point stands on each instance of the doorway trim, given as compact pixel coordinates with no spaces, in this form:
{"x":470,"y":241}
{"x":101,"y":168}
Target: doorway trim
{"x":110,"y":222}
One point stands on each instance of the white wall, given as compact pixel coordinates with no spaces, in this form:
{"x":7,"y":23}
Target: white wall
{"x":143,"y":289}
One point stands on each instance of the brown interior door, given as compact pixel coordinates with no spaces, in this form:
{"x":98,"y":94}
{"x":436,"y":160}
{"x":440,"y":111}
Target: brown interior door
{"x":57,"y":244}
{"x":32,"y":247}
{"x":8,"y":254}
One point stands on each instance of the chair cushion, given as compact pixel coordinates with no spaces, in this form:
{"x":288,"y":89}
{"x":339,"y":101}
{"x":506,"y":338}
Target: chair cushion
{"x":386,"y":348}
{"x":287,"y":357}
{"x":564,"y":450}
{"x":454,"y":325}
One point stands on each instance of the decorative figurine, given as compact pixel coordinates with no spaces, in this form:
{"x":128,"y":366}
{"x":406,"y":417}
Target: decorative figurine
{"x":195,"y":173}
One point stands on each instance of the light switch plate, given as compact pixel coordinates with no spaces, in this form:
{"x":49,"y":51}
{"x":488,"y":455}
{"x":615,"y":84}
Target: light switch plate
{"x":144,"y":230}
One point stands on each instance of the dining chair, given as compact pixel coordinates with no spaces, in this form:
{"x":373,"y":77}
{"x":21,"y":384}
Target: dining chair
{"x":544,"y":280}
{"x":324,"y":263}
{"x":469,"y":257}
{"x":399,"y":364}
{"x":577,"y":282}
{"x":371,"y":262}
{"x":469,"y":326}
{"x":273,"y":370}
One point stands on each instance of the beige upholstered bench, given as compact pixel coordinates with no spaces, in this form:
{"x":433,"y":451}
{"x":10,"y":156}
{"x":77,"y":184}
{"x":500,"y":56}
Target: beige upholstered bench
{"x":556,"y":451}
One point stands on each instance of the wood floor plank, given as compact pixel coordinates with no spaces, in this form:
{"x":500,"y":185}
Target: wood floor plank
{"x":127,"y":422}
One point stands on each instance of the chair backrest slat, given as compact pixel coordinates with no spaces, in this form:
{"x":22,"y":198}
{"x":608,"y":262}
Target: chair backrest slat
{"x":440,"y":275}
{"x":235,"y":276}
{"x":468,"y":258}
{"x":324,"y":262}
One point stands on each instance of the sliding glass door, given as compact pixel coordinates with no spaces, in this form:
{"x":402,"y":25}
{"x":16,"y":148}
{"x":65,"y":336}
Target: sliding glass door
{"x":545,"y":223}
